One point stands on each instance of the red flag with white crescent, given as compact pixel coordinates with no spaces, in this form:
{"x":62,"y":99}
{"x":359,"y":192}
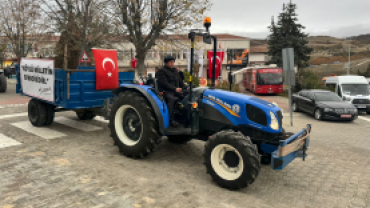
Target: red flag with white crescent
{"x":219,"y":59}
{"x":106,"y":67}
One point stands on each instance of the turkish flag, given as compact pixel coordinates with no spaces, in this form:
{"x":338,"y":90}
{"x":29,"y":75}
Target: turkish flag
{"x":133,"y":63}
{"x":106,"y":66}
{"x":219,"y":59}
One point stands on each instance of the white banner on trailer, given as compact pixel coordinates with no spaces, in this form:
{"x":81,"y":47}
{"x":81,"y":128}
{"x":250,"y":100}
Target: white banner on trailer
{"x":37,"y":78}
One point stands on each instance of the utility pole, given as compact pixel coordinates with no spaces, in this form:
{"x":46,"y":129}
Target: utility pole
{"x":349,"y":57}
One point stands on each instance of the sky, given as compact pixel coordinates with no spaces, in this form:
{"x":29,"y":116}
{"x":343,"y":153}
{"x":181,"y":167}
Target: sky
{"x":250,"y":18}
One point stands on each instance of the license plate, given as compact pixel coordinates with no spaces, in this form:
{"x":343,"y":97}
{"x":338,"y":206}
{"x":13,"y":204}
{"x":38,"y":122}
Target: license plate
{"x":360,"y":106}
{"x":345,"y":116}
{"x":270,"y":91}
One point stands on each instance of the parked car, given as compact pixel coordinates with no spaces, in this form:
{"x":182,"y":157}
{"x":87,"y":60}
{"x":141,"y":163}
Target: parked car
{"x":323,"y":104}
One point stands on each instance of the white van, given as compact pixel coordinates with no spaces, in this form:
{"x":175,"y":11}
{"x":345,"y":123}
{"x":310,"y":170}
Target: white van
{"x":352,"y":89}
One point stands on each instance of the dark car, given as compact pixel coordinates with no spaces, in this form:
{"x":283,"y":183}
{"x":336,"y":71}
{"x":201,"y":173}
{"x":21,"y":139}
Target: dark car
{"x":323,"y":105}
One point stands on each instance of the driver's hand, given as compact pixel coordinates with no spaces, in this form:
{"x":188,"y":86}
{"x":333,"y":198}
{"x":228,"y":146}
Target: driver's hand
{"x":178,"y":90}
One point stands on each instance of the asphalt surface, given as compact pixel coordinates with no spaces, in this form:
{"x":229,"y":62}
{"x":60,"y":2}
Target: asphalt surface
{"x":74,"y":163}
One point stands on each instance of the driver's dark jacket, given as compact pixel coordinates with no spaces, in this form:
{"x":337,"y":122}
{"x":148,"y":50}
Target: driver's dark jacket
{"x":169,"y":79}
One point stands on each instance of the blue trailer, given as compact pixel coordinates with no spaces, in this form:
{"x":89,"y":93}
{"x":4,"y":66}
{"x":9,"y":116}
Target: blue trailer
{"x":74,"y":90}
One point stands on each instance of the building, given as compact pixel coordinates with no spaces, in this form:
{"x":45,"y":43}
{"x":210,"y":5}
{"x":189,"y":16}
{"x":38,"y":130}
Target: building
{"x":41,"y":47}
{"x":176,"y":45}
{"x":258,"y":55}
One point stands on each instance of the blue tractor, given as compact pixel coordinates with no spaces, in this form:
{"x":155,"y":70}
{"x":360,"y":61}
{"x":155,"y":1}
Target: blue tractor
{"x":240,"y":131}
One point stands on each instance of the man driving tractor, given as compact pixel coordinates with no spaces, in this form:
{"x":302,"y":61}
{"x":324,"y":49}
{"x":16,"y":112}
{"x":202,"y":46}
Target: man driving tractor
{"x":170,"y":83}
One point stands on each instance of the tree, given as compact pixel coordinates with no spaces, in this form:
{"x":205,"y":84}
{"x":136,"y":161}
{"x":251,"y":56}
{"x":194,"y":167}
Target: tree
{"x":22,"y":24}
{"x":83,"y":24}
{"x":275,"y":43}
{"x":288,"y":34}
{"x":144,"y":21}
{"x":2,"y":53}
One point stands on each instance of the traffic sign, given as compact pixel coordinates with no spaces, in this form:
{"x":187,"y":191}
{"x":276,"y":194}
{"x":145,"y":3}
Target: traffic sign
{"x":85,"y":58}
{"x":288,"y":66}
{"x":289,"y":72}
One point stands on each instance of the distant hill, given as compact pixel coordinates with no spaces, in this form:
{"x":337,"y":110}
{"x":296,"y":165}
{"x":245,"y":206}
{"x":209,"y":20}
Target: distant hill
{"x":328,"y":50}
{"x":258,"y":42}
{"x":364,"y":39}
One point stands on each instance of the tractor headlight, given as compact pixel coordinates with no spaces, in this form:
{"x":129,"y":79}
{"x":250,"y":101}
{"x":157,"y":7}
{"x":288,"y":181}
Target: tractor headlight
{"x":274,"y":122}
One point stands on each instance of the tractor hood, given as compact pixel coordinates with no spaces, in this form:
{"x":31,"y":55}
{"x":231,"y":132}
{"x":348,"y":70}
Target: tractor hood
{"x":234,"y":107}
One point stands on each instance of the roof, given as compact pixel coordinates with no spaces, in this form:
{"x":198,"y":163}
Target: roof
{"x":259,"y":50}
{"x":347,"y":79}
{"x":226,"y":36}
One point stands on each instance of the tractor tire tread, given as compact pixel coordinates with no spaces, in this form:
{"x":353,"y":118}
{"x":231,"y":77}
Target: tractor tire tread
{"x":151,"y":136}
{"x":245,"y":147}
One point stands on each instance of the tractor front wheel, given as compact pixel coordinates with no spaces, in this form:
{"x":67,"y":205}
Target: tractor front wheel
{"x":232,"y":159}
{"x":133,"y":125}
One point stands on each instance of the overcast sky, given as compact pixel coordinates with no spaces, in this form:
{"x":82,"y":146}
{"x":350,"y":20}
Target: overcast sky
{"x":250,"y":18}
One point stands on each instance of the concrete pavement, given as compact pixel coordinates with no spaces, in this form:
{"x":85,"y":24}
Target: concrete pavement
{"x":71,"y":167}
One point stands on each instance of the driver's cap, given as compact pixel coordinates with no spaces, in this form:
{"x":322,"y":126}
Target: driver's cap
{"x":169,"y":58}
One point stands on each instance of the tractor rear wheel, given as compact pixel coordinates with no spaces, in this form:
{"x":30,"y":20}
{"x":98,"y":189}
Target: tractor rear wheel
{"x":133,"y":125}
{"x":232,"y":159}
{"x":180,"y":139}
{"x":3,"y":83}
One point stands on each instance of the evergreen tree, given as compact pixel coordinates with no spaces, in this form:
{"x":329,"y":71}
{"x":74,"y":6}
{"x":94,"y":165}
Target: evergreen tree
{"x":275,"y":43}
{"x":288,"y":34}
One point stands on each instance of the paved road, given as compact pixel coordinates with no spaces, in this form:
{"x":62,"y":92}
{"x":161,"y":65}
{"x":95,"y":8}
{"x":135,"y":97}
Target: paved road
{"x":74,"y":163}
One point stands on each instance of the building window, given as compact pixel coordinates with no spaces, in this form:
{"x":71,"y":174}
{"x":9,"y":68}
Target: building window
{"x":155,"y":55}
{"x":185,"y":55}
{"x":149,"y":55}
{"x":126,"y":55}
{"x":120,"y":55}
{"x":46,"y":52}
{"x":10,"y":48}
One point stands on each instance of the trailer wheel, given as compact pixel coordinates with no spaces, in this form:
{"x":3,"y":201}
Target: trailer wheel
{"x":232,"y":159}
{"x":37,"y":112}
{"x":3,"y":83}
{"x":50,"y":114}
{"x":180,"y":139}
{"x":86,"y":115}
{"x":133,"y":125}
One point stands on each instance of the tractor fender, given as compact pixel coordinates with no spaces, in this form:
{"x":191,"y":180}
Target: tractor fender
{"x":160,"y":110}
